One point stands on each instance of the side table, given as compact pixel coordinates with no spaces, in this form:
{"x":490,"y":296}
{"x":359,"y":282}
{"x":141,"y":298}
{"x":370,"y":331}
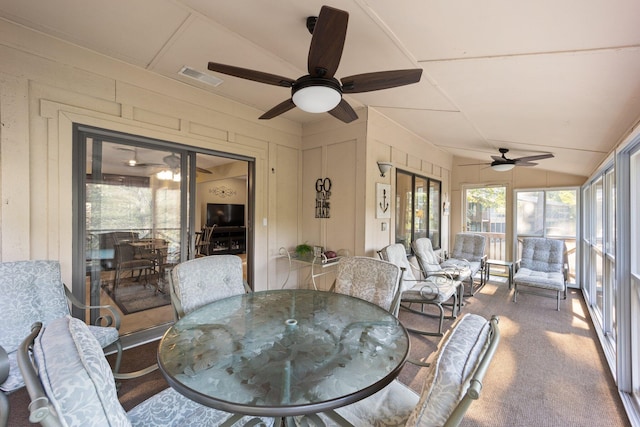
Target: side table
{"x":501,"y":263}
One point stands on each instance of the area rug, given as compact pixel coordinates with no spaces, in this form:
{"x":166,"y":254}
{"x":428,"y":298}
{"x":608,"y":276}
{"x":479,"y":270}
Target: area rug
{"x":135,"y":297}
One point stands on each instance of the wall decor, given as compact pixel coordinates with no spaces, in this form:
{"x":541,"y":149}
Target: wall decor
{"x":323,"y":193}
{"x":383,"y":200}
{"x":222,"y":191}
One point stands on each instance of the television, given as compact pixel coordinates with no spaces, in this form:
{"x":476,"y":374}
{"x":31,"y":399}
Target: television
{"x":225,"y":215}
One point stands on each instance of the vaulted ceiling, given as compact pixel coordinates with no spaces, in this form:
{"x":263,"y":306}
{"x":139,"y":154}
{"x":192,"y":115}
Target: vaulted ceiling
{"x":535,"y":77}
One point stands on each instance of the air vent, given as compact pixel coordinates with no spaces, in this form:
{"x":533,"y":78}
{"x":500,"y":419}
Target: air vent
{"x":200,"y":76}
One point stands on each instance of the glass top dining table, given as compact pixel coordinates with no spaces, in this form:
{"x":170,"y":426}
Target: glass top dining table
{"x":283,"y":353}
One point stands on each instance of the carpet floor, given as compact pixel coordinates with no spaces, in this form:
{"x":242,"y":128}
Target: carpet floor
{"x":549,"y":369}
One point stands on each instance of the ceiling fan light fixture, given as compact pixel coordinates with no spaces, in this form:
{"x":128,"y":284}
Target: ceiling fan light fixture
{"x":502,"y":167}
{"x":316,"y":95}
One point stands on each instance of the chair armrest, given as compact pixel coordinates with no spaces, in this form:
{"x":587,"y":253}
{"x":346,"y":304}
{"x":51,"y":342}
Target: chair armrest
{"x":4,"y":365}
{"x":111,"y":320}
{"x":247,"y":288}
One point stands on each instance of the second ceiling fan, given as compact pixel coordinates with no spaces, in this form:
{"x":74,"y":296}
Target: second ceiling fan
{"x":502,"y":163}
{"x":319,"y":91}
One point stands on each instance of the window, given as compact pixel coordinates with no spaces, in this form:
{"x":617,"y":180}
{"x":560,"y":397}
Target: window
{"x":485,"y":213}
{"x":417,"y":209}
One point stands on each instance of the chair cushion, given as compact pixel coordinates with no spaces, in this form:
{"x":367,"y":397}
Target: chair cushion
{"x":31,"y":291}
{"x":539,"y":279}
{"x":76,"y":376}
{"x":369,"y":279}
{"x":436,"y":289}
{"x":469,"y":246}
{"x":170,"y":408}
{"x":540,"y":254}
{"x":448,"y":377}
{"x":14,"y":381}
{"x":203,"y":280}
{"x":391,"y":406}
{"x":105,"y":335}
{"x":397,"y":255}
{"x":463,"y":268}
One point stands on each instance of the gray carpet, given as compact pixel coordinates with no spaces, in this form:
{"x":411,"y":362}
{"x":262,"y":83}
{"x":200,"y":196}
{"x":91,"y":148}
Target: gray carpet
{"x":548,"y":370}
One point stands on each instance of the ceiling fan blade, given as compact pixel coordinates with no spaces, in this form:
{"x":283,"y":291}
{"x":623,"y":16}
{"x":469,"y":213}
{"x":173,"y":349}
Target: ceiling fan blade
{"x":530,"y":158}
{"x":203,"y":170}
{"x":475,"y":164}
{"x":380,"y":80}
{"x":526,"y":164}
{"x":327,"y":42}
{"x":344,"y":112}
{"x":498,"y":159}
{"x":256,"y":76}
{"x":283,"y":107}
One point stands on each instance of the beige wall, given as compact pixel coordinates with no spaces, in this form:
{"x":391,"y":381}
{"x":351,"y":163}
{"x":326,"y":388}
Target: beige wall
{"x":46,"y":86}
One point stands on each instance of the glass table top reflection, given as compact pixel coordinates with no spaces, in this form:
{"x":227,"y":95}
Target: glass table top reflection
{"x":283,"y":353}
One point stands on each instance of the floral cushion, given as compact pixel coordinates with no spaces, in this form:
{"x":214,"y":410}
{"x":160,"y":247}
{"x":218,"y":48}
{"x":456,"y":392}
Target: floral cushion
{"x":539,"y":254}
{"x":448,"y":377}
{"x":203,"y":280}
{"x":447,"y":380}
{"x":31,"y":291}
{"x":76,"y":376}
{"x":391,"y":406}
{"x":539,"y":279}
{"x":434,"y":288}
{"x":170,"y":408}
{"x":469,"y":246}
{"x":369,"y":279}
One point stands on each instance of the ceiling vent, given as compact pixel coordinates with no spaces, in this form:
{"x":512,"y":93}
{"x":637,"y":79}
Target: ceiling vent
{"x":207,"y":79}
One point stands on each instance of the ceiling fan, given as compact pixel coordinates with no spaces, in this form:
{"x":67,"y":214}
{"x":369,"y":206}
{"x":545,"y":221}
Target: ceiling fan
{"x":503,"y":164}
{"x":173,"y":162}
{"x":133,"y":161}
{"x":319,"y":91}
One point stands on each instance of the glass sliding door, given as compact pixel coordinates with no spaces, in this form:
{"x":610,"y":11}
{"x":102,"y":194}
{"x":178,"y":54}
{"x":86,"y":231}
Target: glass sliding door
{"x":139,"y":205}
{"x":417,"y":209}
{"x":133,"y":220}
{"x":485,"y":213}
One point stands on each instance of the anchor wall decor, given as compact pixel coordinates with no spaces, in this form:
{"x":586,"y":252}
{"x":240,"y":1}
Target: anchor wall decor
{"x":383,"y":200}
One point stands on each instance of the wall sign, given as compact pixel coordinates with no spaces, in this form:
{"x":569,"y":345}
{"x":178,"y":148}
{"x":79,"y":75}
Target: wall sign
{"x":383,"y":200}
{"x":323,"y":192}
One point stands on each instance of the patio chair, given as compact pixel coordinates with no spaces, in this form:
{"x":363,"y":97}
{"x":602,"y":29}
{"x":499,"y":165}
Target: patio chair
{"x":33,"y":291}
{"x":468,"y":254}
{"x":65,"y":353}
{"x":542,"y":266}
{"x":370,"y":279}
{"x":199,"y":281}
{"x":453,"y":382}
{"x":436,"y":291}
{"x":430,"y":262}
